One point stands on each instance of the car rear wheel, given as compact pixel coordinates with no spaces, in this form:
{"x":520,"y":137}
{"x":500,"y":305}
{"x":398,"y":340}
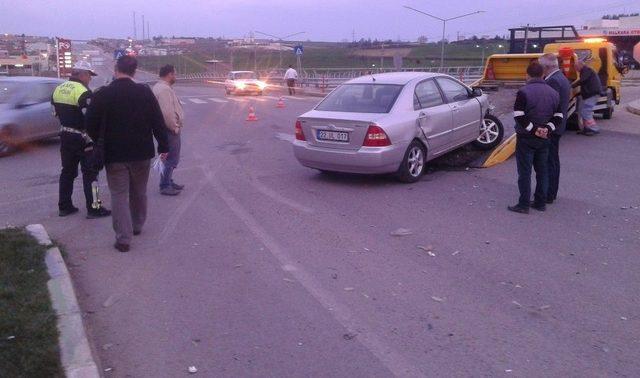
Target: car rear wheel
{"x":491,"y":133}
{"x":413,"y":163}
{"x":6,"y":147}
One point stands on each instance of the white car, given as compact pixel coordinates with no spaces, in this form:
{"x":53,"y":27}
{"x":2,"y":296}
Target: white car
{"x":244,"y":82}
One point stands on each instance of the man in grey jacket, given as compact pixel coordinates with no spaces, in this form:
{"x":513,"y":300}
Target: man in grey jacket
{"x":174,"y":120}
{"x":556,"y":80}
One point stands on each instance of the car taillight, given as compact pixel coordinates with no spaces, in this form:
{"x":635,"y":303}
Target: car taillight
{"x":376,"y":137}
{"x":299,"y":133}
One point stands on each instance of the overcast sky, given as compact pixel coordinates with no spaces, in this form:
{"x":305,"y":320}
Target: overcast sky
{"x":323,"y":20}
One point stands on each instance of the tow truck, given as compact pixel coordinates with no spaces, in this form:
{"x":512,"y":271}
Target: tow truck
{"x":509,"y":70}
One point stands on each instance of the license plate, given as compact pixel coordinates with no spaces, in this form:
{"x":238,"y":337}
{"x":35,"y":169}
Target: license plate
{"x":333,"y":136}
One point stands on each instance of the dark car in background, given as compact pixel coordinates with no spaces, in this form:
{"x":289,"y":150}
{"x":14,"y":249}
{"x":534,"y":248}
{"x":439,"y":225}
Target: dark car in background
{"x":26,"y":113}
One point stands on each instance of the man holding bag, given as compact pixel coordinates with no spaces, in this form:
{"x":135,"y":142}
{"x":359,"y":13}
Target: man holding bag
{"x":132,"y":118}
{"x":174,"y":120}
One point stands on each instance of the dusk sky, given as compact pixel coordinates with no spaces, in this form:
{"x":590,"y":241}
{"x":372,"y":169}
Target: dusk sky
{"x":326,"y":20}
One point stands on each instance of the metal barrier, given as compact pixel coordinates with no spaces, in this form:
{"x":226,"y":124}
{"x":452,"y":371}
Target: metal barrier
{"x":329,"y":78}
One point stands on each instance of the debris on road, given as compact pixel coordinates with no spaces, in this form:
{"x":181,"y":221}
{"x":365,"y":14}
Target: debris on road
{"x":288,"y":280}
{"x":623,"y":318}
{"x":110,"y":301}
{"x":299,"y":344}
{"x":545,"y":307}
{"x":108,"y":369}
{"x":192,"y":370}
{"x":11,"y":337}
{"x":349,"y":289}
{"x":107,"y":346}
{"x":238,"y":266}
{"x":334,"y":276}
{"x":401,"y":232}
{"x":455,"y":253}
{"x":437,"y":299}
{"x":349,"y":336}
{"x":516,"y":303}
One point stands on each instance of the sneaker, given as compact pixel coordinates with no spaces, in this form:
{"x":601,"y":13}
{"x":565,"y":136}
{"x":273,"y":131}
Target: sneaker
{"x":122,"y":247}
{"x":68,"y":211}
{"x":177,"y":186}
{"x":550,"y":200}
{"x":98,"y":213}
{"x":170,"y":191}
{"x":587,"y":132}
{"x":519,"y":209}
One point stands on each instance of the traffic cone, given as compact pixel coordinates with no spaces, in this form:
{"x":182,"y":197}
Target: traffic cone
{"x":280,"y":103}
{"x":252,"y":114}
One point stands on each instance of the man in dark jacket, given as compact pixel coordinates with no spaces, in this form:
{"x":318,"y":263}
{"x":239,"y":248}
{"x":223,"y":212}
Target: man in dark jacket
{"x":537,"y":113}
{"x":556,"y":80}
{"x":132,"y":118}
{"x":590,"y":89}
{"x":70,"y":100}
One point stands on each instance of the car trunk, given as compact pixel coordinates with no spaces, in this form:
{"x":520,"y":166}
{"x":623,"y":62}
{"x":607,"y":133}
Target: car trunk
{"x":328,"y":129}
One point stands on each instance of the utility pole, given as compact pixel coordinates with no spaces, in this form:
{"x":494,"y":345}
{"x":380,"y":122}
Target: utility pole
{"x":526,"y":37}
{"x":148,"y":35}
{"x":135,"y":35}
{"x":143,"y":27}
{"x":444,"y":26}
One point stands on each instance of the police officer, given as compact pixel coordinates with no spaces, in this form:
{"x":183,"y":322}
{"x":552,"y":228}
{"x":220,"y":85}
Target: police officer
{"x":537,"y":113}
{"x":70,"y":101}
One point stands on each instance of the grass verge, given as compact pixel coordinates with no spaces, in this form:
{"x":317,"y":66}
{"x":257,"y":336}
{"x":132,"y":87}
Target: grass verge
{"x":28,"y":333}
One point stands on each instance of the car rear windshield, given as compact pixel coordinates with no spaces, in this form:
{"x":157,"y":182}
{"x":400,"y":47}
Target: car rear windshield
{"x":245,"y":75}
{"x":361,"y":98}
{"x":8,"y":91}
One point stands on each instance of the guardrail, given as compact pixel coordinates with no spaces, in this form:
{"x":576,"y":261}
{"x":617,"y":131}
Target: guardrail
{"x":329,"y":78}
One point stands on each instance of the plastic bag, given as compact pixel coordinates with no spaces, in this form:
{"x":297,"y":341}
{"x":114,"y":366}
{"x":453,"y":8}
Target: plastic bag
{"x":158,"y":166}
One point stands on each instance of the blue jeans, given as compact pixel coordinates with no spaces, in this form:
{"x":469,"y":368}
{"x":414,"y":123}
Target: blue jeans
{"x":173,"y":158}
{"x":532,"y":152}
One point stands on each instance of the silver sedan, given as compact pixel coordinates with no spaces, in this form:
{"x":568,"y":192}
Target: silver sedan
{"x":394,"y":123}
{"x":25,"y":111}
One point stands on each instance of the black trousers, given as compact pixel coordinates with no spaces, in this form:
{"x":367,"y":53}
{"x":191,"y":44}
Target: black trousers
{"x":554,"y":166}
{"x":291,"y":84}
{"x":71,"y":154}
{"x":532,"y":152}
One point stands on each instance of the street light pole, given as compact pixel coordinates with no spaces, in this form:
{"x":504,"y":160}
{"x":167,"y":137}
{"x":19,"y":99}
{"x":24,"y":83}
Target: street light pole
{"x":444,"y":26}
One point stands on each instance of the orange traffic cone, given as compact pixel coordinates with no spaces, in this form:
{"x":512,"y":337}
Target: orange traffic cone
{"x":252,"y":114}
{"x":280,"y":103}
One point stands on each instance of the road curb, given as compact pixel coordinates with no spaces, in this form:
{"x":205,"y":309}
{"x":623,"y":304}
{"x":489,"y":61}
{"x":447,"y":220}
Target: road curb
{"x":75,"y":350}
{"x":634,"y":107}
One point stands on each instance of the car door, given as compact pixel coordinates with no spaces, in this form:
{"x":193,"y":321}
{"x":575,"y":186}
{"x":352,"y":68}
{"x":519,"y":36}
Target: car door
{"x":434,"y":116}
{"x":37,"y":111}
{"x":467,"y":113}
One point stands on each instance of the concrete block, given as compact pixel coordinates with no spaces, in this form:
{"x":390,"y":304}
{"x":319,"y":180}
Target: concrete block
{"x":38,"y":232}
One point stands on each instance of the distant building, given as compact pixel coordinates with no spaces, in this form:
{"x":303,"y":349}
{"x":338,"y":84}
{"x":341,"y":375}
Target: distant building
{"x":178,"y":41}
{"x":624,"y":32}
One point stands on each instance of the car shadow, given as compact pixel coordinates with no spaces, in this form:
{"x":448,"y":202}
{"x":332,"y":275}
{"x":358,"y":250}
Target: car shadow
{"x":461,"y":159}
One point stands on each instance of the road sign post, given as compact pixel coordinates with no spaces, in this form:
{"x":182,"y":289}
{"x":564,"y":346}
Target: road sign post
{"x":299,"y":50}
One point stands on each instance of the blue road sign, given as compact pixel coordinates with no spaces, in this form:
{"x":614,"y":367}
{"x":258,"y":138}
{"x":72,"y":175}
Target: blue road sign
{"x":118,"y":53}
{"x":298,"y":50}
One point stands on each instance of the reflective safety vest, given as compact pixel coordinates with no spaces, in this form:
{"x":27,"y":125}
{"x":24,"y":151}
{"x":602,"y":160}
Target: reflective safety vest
{"x":69,"y":99}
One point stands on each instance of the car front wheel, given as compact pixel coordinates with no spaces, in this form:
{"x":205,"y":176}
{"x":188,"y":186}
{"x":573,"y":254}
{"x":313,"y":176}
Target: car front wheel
{"x":6,"y":147}
{"x":491,"y":133}
{"x":413,"y":163}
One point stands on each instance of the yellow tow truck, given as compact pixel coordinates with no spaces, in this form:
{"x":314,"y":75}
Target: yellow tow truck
{"x":509,"y":70}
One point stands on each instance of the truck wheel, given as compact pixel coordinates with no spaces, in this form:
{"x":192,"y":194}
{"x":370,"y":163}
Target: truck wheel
{"x":607,"y":113}
{"x":491,"y":133}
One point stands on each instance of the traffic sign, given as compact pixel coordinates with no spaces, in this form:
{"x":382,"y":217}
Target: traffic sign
{"x":118,"y":53}
{"x":65,"y":61}
{"x":298,"y":50}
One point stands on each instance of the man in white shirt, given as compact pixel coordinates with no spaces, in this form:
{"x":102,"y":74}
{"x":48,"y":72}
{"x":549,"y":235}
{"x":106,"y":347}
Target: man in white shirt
{"x":174,"y":121}
{"x":290,"y":77}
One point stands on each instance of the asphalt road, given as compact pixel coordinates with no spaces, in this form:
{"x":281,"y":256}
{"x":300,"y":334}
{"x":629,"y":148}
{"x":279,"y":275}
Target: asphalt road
{"x":262,"y":267}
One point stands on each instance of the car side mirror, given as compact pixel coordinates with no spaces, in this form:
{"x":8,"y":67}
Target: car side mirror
{"x":476,"y":92}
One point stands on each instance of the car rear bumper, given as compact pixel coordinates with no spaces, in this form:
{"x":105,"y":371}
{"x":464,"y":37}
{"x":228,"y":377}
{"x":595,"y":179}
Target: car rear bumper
{"x":372,"y":160}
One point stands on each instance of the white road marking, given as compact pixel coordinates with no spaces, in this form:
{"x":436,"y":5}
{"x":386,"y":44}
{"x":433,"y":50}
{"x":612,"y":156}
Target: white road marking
{"x":237,"y":99}
{"x":219,"y":100}
{"x":286,"y":137}
{"x":394,"y":361}
{"x":197,"y":101}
